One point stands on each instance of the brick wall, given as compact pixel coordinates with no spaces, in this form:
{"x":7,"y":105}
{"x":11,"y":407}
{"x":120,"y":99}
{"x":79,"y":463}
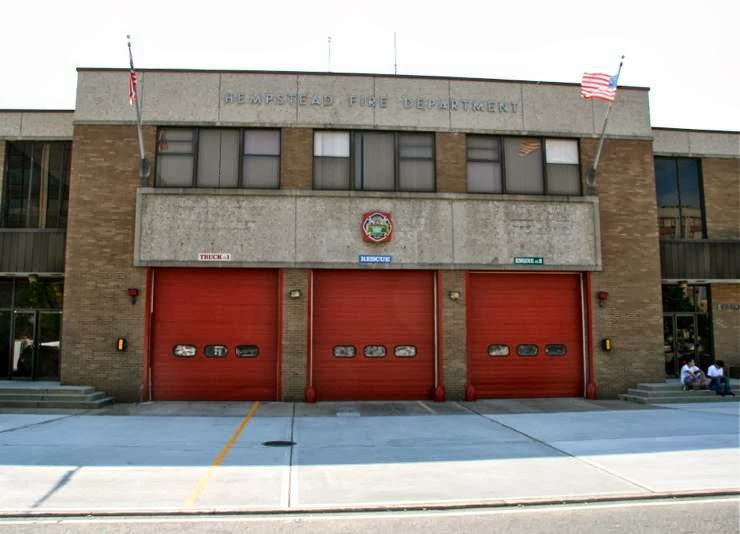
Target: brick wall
{"x":294,"y":335}
{"x":99,"y":263}
{"x":454,"y":335}
{"x":726,"y":324}
{"x":632,"y":316}
{"x":451,"y":163}
{"x":722,"y":197}
{"x":296,"y":159}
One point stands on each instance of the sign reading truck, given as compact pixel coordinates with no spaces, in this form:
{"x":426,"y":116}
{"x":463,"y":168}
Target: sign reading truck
{"x":214,"y":256}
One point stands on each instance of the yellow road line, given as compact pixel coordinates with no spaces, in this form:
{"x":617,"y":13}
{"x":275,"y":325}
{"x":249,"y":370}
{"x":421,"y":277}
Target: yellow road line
{"x":221,"y":456}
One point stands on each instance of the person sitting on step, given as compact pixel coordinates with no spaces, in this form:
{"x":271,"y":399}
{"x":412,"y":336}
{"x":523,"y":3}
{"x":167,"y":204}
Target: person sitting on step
{"x":692,"y":377}
{"x":718,"y":381}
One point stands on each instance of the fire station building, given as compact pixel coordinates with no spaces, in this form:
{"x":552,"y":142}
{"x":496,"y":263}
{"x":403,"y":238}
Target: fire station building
{"x":316,"y":236}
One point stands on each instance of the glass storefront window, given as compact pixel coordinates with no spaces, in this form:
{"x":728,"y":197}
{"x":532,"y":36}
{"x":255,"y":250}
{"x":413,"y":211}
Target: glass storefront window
{"x":690,"y":298}
{"x":678,"y":189}
{"x":39,"y":293}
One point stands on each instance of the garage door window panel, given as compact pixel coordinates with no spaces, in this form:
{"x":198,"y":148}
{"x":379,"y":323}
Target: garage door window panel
{"x":405,"y":351}
{"x":216,"y":351}
{"x":345,"y":351}
{"x":374,"y":351}
{"x":184,"y":351}
{"x":527,"y":350}
{"x":556,"y":349}
{"x":247,"y":351}
{"x":498,"y":351}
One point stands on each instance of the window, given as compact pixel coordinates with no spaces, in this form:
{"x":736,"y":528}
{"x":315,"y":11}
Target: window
{"x":374,"y":351}
{"x":184,"y":351}
{"x":216,"y":351}
{"x":345,"y":351}
{"x":527,"y":350}
{"x":247,"y":351}
{"x":405,"y":351}
{"x":36,"y":191}
{"x":498,"y":350}
{"x":377,"y":161}
{"x":522,"y":165}
{"x":678,"y":189}
{"x":556,"y":349}
{"x":219,"y":158}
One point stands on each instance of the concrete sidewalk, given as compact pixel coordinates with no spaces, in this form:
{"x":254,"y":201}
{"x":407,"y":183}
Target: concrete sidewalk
{"x":202,"y":457}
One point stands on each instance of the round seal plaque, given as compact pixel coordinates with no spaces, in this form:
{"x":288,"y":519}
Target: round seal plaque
{"x":377,"y":226}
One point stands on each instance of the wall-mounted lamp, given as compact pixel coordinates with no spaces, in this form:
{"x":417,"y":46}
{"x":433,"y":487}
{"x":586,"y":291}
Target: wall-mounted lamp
{"x":454,"y":295}
{"x":603,"y":296}
{"x":133,"y":293}
{"x":294,"y":293}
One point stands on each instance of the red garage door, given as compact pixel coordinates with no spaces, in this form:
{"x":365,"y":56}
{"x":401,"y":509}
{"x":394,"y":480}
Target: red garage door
{"x":525,"y":335}
{"x":224,"y":322}
{"x":373,"y":335}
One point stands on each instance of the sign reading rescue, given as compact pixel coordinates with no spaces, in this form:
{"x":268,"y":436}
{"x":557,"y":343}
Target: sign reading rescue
{"x":377,"y":226}
{"x":214,"y":256}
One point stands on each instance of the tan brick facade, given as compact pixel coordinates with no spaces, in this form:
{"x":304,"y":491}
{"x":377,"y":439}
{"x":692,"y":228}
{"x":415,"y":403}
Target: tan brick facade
{"x":296,"y":160}
{"x":632,"y":316}
{"x":722,"y":197}
{"x":2,"y":170}
{"x":294,"y":335}
{"x":454,"y":335}
{"x":726,"y":323}
{"x":451,"y":162}
{"x":99,"y":263}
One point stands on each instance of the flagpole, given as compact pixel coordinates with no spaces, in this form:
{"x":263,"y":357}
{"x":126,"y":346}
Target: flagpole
{"x":591,"y":175}
{"x":143,"y":163}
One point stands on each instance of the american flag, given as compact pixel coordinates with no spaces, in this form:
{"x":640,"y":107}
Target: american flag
{"x":528,"y":146}
{"x":599,"y":86}
{"x":132,"y":86}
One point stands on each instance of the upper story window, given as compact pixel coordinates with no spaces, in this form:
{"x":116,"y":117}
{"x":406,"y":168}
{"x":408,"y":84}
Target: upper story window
{"x":211,"y":157}
{"x":678,"y":188}
{"x":36,"y":190}
{"x":523,"y":165}
{"x":374,"y":161}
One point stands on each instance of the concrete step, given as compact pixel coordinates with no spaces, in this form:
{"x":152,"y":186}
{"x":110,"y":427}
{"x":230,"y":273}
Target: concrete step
{"x":67,"y":404}
{"x":669,"y":393}
{"x":686,"y":397}
{"x":60,"y":390}
{"x":51,"y":395}
{"x":676,"y":386}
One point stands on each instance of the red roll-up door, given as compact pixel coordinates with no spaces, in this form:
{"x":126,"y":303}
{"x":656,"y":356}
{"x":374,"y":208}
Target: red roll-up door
{"x":525,"y":335}
{"x":209,"y":308}
{"x":373,"y":335}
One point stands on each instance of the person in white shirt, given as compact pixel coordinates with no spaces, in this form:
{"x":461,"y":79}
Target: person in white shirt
{"x":718,"y":381}
{"x":692,"y":377}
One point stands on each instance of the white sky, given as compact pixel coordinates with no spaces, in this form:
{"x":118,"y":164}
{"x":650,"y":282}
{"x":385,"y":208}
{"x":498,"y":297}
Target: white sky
{"x":685,"y":51}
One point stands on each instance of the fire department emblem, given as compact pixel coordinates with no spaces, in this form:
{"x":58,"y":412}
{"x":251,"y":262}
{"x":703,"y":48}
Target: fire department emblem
{"x":377,"y":226}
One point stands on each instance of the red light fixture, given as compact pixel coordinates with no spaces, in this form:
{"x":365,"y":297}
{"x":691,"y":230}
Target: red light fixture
{"x":133,"y":293}
{"x":603,"y":296}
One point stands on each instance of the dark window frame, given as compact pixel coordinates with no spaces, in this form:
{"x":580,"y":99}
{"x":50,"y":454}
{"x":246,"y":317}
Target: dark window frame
{"x":61,"y":213}
{"x":700,"y":185}
{"x":195,"y":153}
{"x":504,"y":167}
{"x":353,"y":160}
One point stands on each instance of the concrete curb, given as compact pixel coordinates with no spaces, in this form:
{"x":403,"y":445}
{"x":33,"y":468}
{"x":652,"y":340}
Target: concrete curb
{"x":482,"y":504}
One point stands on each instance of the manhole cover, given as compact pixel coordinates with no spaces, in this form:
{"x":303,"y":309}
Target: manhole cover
{"x":278,"y":443}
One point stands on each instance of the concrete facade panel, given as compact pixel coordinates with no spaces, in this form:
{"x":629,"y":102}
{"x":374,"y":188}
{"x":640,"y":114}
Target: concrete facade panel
{"x":102,"y":96}
{"x":670,"y":142}
{"x":556,"y":109}
{"x":10,"y":124}
{"x":715,"y":144}
{"x":341,"y":110}
{"x":502,"y":110}
{"x":56,"y":125}
{"x":296,"y":229}
{"x":409,"y":103}
{"x":629,"y":117}
{"x":176,"y":228}
{"x":494,"y":233}
{"x":255,"y":99}
{"x":180,"y":97}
